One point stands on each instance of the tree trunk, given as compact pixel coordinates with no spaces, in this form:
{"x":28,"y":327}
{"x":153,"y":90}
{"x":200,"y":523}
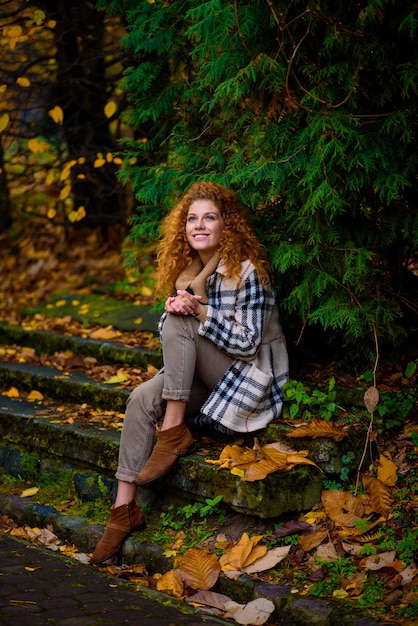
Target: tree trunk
{"x":5,"y":206}
{"x":81,"y":93}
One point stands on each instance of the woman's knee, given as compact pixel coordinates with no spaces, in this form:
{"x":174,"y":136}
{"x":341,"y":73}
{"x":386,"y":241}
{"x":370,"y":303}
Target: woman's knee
{"x":145,"y":401}
{"x":179,"y":325}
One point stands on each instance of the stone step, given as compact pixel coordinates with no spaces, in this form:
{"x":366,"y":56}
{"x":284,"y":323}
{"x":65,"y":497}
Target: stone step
{"x":74,"y":386}
{"x":39,"y":428}
{"x":46,"y":342}
{"x":30,"y":427}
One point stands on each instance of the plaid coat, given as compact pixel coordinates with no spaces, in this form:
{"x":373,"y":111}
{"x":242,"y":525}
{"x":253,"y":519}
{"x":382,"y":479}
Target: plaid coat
{"x":243,"y":321}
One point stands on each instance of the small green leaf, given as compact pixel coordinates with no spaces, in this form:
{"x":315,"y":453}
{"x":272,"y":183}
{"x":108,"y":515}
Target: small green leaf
{"x":411,"y":368}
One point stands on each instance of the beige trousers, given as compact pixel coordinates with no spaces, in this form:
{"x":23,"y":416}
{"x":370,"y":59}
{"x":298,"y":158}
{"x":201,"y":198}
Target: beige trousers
{"x":193,"y":366}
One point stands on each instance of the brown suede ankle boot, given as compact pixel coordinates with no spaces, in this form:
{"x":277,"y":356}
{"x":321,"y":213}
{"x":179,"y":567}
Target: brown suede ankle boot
{"x":171,"y":444}
{"x":123,"y":520}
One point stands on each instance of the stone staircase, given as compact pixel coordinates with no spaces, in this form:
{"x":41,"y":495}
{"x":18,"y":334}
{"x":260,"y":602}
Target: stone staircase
{"x":36,"y":440}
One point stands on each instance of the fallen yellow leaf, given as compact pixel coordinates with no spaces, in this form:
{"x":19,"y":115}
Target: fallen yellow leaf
{"x":34,"y":395}
{"x":31,"y":491}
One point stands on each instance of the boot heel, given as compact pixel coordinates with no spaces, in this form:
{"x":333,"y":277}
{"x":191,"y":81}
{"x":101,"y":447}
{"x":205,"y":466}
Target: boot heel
{"x":141,"y":526}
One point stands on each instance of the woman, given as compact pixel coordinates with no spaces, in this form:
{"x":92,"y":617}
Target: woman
{"x":225,"y":357}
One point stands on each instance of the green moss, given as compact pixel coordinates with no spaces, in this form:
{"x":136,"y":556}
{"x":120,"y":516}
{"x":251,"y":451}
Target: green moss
{"x":30,"y":462}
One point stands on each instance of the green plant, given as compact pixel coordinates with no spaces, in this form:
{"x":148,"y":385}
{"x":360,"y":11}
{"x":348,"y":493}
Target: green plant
{"x":201,"y":508}
{"x":30,"y":463}
{"x":302,"y":403}
{"x":179,"y":519}
{"x":331,"y":484}
{"x":368,"y":549}
{"x":408,"y":546}
{"x":362,"y":525}
{"x":11,"y":485}
{"x":335,"y":572}
{"x":347,"y":460}
{"x":373,"y":592}
{"x":393,"y":408}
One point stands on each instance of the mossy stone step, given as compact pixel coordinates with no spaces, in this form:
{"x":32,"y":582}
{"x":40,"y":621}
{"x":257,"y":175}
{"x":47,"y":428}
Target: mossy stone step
{"x":277,"y":494}
{"x":100,"y":309}
{"x":31,"y":426}
{"x":46,"y":342}
{"x":22,"y":424}
{"x":74,"y":387}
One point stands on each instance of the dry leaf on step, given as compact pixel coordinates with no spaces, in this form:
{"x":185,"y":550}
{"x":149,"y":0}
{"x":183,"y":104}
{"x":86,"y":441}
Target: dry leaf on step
{"x":209,"y":598}
{"x":387,"y":471}
{"x":379,"y":495}
{"x":254,"y":613}
{"x":269,"y":560}
{"x":237,"y":555}
{"x":171,"y":582}
{"x":312,"y":540}
{"x":327,"y":552}
{"x":318,"y":428}
{"x":377,"y":561}
{"x":199,"y":569}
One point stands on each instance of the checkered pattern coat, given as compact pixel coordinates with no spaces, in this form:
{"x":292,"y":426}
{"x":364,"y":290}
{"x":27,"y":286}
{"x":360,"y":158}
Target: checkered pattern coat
{"x":243,"y":321}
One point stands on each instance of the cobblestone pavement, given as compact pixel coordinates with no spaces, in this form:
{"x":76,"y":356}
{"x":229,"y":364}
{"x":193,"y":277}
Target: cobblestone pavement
{"x":38,"y":588}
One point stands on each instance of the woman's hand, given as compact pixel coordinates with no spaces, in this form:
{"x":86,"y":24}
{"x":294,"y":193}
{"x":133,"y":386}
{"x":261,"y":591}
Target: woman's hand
{"x":184,"y":303}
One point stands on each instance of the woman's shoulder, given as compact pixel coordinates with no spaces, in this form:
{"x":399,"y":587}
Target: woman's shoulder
{"x":247,"y":267}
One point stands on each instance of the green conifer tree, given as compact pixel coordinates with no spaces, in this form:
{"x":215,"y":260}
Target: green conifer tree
{"x":308,"y":109}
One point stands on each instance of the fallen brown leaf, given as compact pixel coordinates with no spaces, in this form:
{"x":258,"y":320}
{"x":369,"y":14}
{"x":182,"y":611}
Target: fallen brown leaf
{"x":199,"y":569}
{"x":379,"y":495}
{"x":318,"y":428}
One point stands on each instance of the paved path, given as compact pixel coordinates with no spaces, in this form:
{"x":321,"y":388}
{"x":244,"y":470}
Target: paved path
{"x":38,"y":587}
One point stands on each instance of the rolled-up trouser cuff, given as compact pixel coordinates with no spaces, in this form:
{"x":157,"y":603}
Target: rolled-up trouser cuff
{"x":170,"y":394}
{"x":126,"y":475}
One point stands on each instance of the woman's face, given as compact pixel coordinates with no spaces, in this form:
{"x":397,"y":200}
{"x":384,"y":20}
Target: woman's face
{"x":204,"y":226}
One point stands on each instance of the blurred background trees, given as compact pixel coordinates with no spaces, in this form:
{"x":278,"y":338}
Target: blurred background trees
{"x":61,"y":66}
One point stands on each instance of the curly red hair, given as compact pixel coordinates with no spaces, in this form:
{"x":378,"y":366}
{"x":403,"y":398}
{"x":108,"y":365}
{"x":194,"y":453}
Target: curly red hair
{"x":237,"y":243}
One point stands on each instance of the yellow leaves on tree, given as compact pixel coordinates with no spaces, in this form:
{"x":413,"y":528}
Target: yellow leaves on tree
{"x":318,"y":428}
{"x":110,"y":108}
{"x":14,"y":34}
{"x":22,"y":81}
{"x":4,"y":121}
{"x":38,"y":146}
{"x":260,"y":461}
{"x":78,"y":215}
{"x":56,"y":114}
